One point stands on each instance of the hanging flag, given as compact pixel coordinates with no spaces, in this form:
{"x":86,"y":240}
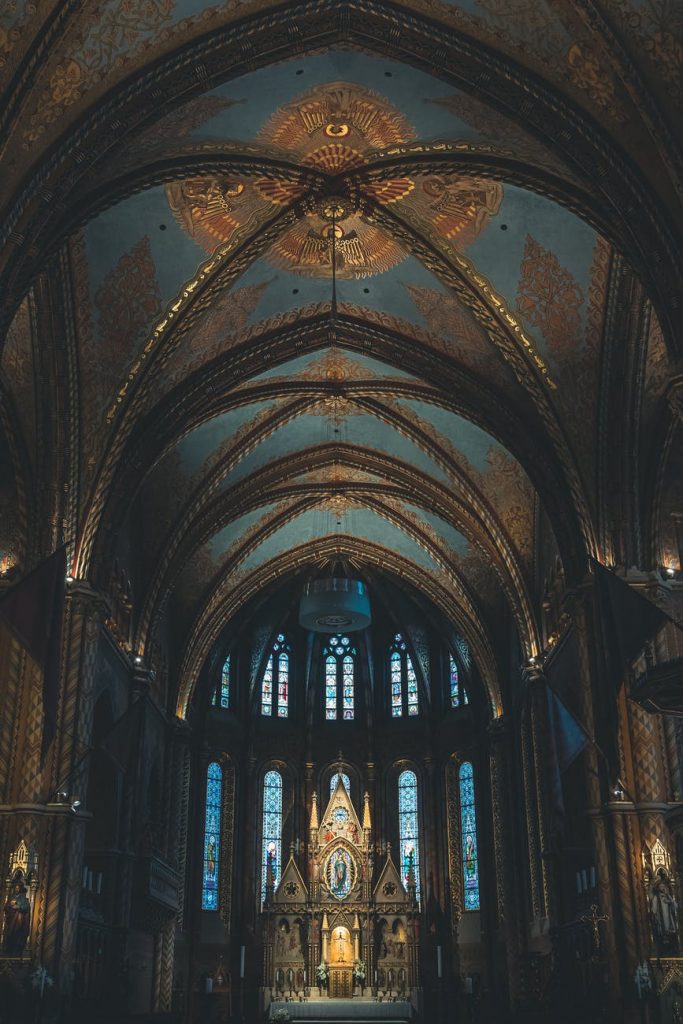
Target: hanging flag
{"x":124,"y":737}
{"x":563,"y":672}
{"x":630,"y":621}
{"x":33,"y":611}
{"x":566,"y":736}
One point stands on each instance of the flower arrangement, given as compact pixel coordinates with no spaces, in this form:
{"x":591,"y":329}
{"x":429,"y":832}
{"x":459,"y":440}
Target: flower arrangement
{"x":281,"y":1014}
{"x":321,"y":973}
{"x":359,"y":972}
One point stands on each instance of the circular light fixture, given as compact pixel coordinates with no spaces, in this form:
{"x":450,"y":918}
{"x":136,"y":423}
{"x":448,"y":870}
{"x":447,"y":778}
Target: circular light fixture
{"x":334,"y":604}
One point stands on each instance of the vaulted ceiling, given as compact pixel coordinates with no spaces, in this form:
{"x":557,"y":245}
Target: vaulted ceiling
{"x":320,"y":292}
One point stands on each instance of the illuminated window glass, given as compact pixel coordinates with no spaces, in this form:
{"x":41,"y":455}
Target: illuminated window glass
{"x":468,"y":829}
{"x":212,"y":837}
{"x":339,"y":657}
{"x":271,"y":839}
{"x":408,"y":827}
{"x":458,"y":694}
{"x":345,"y":780}
{"x":403,"y":680}
{"x":330,"y":687}
{"x":275,"y":682}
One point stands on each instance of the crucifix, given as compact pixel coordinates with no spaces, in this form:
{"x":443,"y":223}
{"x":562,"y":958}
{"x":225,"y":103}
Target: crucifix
{"x":594,"y":920}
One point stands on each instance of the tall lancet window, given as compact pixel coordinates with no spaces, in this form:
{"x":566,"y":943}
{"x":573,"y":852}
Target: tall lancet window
{"x":468,"y":830}
{"x":408,"y":828}
{"x":339,"y":659}
{"x":345,"y":779}
{"x":221,"y":695}
{"x":271,"y":838}
{"x":275,"y":682}
{"x":403,"y":679}
{"x":457,"y":690}
{"x":212,"y":836}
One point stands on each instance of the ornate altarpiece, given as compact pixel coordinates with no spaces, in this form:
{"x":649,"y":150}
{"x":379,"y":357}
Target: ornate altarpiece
{"x":340,"y":916}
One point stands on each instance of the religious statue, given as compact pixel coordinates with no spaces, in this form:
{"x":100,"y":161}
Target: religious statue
{"x":664,"y":911}
{"x":339,"y":873}
{"x":17,"y":919}
{"x":341,"y":945}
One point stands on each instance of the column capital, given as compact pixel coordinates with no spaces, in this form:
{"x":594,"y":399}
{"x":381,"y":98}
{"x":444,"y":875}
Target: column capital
{"x":499,"y":727}
{"x":533,"y":674}
{"x":83,"y":594}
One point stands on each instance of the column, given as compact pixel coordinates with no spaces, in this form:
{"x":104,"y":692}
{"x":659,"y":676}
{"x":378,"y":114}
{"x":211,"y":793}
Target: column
{"x":509,"y":907}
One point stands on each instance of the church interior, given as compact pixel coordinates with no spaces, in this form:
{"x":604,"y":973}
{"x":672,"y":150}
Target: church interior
{"x":341,"y":511}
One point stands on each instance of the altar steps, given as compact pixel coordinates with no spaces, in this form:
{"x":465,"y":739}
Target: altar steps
{"x":342,"y":1011}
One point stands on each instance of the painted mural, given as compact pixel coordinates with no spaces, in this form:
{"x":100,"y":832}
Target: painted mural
{"x":334,"y":129}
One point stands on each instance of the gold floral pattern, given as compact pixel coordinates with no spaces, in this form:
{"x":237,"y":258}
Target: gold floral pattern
{"x":586,"y":72}
{"x":548,"y":297}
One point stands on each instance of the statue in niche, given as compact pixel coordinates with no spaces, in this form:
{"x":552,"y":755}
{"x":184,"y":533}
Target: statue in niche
{"x":17,"y":913}
{"x":663,"y":911}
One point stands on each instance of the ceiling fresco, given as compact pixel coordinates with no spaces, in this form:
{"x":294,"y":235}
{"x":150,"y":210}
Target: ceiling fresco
{"x":98,"y":49}
{"x":320,"y":302}
{"x":539,"y":257}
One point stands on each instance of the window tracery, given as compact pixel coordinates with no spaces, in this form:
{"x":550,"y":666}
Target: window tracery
{"x":271,"y":836}
{"x":345,"y":779}
{"x":468,"y":836}
{"x":408,"y":828}
{"x":404,"y":699}
{"x":221,"y":694}
{"x":275,"y":682}
{"x":212,"y":837}
{"x":457,"y":690}
{"x":339,"y":659}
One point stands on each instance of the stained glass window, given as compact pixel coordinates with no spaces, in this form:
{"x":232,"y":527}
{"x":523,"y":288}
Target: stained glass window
{"x":275,"y":682}
{"x":220,"y":698}
{"x":408,"y":827}
{"x":403,"y":680}
{"x":212,"y":837}
{"x":271,"y":839}
{"x":345,"y":780}
{"x":458,"y":694}
{"x":339,"y":661}
{"x":468,"y":829}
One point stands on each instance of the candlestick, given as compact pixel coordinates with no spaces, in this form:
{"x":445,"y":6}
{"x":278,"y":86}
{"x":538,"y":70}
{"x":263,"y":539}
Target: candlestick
{"x":242,"y":951}
{"x":438,"y":960}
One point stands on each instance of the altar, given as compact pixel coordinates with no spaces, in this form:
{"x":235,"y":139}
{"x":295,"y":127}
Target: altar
{"x":340,"y":929}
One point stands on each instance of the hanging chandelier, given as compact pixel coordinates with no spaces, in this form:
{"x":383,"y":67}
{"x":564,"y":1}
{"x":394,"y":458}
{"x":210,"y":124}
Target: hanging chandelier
{"x":335,"y":604}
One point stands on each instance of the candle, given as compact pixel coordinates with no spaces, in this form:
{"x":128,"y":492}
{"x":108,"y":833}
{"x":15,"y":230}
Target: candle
{"x":99,"y":883}
{"x":85,"y":877}
{"x":242,"y":950}
{"x":468,"y":985}
{"x":208,"y":985}
{"x":89,"y":880}
{"x":578,"y":882}
{"x":592,"y":878}
{"x":438,"y":960}
{"x":584,"y":879}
